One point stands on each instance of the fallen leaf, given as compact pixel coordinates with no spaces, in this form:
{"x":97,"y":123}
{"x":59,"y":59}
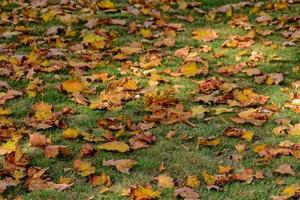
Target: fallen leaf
{"x":123,"y":165}
{"x":70,"y":133}
{"x":84,"y":168}
{"x":115,"y":146}
{"x":142,"y":193}
{"x":205,"y":34}
{"x":192,"y":181}
{"x":38,"y":140}
{"x":73,"y":86}
{"x":164,"y":181}
{"x":285,"y":169}
{"x":187,"y":193}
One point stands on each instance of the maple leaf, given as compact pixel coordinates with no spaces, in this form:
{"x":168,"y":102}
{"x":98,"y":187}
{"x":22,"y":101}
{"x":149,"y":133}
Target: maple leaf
{"x":74,"y":86}
{"x":142,"y":193}
{"x":38,"y":140}
{"x":84,"y":168}
{"x":141,"y":140}
{"x":52,"y":151}
{"x":43,"y":111}
{"x":164,"y":181}
{"x":101,"y":179}
{"x":192,"y":181}
{"x":95,"y":41}
{"x":86,"y":150}
{"x":205,"y":34}
{"x":36,"y":183}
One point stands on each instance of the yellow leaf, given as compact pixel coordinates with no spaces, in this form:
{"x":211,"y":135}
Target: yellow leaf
{"x":208,"y":178}
{"x":220,"y":110}
{"x":248,"y":135}
{"x":199,"y":111}
{"x":290,"y":191}
{"x":5,"y":111}
{"x":115,"y":146}
{"x":144,"y":193}
{"x":146,"y":33}
{"x":84,"y":168}
{"x":48,"y":16}
{"x":192,"y":181}
{"x":70,"y":133}
{"x":205,"y":34}
{"x":260,"y":147}
{"x":210,"y":142}
{"x":18,"y":174}
{"x":131,"y":84}
{"x":190,"y":69}
{"x":73,"y":86}
{"x":32,"y":57}
{"x":43,"y":111}
{"x":8,"y":147}
{"x":94,"y":40}
{"x":106,"y":4}
{"x":165,"y":181}
{"x":125,"y":165}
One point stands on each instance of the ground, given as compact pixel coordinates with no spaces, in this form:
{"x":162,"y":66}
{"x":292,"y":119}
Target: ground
{"x":182,"y":154}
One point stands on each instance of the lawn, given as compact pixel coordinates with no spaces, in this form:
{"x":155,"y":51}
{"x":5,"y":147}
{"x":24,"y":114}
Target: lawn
{"x":197,"y":99}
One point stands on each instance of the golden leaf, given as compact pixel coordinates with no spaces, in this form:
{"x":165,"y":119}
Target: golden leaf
{"x":115,"y":146}
{"x":96,"y":41}
{"x":106,"y":4}
{"x":73,"y":86}
{"x":84,"y":168}
{"x":190,"y":69}
{"x":248,"y":135}
{"x":205,"y":34}
{"x":165,"y":181}
{"x":70,"y":133}
{"x":192,"y":181}
{"x":43,"y":111}
{"x":208,"y":178}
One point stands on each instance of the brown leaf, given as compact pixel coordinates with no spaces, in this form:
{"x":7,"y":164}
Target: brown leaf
{"x":285,"y":169}
{"x":187,"y":193}
{"x":101,"y":179}
{"x":141,"y":140}
{"x":10,"y":94}
{"x":4,"y":183}
{"x":38,"y":140}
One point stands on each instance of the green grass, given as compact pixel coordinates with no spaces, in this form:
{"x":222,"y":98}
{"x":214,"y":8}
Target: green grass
{"x":181,"y":157}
